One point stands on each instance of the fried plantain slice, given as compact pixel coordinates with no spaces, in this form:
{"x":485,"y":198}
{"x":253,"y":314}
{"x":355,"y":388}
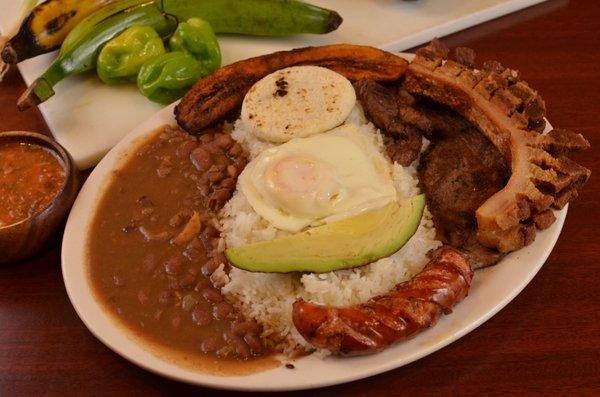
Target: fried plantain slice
{"x":215,"y":96}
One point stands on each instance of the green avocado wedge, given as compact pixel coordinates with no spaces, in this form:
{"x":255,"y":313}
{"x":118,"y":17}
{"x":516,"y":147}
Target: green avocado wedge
{"x":344,"y":244}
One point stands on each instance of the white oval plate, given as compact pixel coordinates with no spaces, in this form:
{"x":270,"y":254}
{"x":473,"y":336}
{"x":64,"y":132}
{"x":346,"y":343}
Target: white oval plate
{"x":492,"y":289}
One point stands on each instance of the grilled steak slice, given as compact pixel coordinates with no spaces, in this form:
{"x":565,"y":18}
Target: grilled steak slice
{"x":404,"y":150}
{"x":511,"y":115}
{"x":458,"y":173}
{"x":382,"y":107}
{"x":478,"y":255}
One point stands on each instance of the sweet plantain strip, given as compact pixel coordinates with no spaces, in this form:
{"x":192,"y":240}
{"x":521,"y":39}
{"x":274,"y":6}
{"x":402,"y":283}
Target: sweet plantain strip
{"x":213,"y":97}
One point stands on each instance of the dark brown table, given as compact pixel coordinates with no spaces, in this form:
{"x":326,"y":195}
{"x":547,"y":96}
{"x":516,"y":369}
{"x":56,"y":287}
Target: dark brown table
{"x":546,"y":342}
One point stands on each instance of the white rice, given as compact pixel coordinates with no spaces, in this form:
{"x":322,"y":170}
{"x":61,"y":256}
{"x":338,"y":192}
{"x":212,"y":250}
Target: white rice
{"x":268,"y":298}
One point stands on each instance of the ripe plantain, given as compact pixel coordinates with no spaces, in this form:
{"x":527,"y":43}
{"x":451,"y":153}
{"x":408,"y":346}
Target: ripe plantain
{"x":8,"y":33}
{"x":219,"y":94}
{"x":45,"y":28}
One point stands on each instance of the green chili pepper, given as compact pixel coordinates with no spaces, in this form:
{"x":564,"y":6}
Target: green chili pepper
{"x":197,"y":38}
{"x":121,"y":58}
{"x":167,"y":77}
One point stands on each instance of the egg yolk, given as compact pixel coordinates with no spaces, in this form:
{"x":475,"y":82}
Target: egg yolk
{"x":318,"y":179}
{"x":304,"y":184}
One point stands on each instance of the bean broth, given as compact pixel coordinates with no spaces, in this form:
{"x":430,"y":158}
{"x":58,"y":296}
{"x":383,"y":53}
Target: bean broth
{"x":154,"y":248}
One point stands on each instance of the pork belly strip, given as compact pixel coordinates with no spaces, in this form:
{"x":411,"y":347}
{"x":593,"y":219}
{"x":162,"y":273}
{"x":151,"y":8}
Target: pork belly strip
{"x":409,"y":308}
{"x":219,"y":94}
{"x":511,"y":115}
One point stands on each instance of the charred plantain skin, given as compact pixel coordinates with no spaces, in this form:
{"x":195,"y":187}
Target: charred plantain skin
{"x":217,"y":95}
{"x":47,"y":26}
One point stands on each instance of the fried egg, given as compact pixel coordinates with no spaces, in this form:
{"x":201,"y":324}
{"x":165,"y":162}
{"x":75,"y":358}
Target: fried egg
{"x":297,"y":102}
{"x":318,"y":179}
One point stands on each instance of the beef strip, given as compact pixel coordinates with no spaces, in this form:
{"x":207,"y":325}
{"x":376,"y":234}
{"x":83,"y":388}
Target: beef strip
{"x":403,"y":150}
{"x":433,"y":120}
{"x":511,"y":115}
{"x":459,"y":171}
{"x":380,"y":105}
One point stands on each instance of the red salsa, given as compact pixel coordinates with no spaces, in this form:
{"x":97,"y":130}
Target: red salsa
{"x":30,"y":178}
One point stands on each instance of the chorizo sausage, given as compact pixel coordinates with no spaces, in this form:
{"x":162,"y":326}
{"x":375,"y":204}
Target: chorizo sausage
{"x":409,"y":308}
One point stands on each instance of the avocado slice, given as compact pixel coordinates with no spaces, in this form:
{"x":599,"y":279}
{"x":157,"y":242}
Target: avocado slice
{"x":344,"y":244}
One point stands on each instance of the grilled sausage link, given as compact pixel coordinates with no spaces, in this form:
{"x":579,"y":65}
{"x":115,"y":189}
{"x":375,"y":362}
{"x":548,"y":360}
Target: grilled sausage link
{"x":406,"y":310}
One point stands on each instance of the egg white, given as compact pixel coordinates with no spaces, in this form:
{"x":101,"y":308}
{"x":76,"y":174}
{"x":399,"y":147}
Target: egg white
{"x":318,"y":179}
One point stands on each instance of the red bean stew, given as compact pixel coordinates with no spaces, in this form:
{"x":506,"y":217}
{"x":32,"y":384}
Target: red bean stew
{"x":30,"y":179}
{"x":154,"y":248}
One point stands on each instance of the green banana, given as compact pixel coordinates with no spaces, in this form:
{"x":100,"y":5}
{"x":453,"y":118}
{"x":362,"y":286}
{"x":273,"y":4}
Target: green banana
{"x":256,"y":17}
{"x":82,"y":52}
{"x":82,"y":45}
{"x":50,"y":22}
{"x":45,"y":28}
{"x":90,"y":23}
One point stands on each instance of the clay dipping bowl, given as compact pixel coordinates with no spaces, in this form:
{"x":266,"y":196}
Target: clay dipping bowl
{"x":26,"y":238}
